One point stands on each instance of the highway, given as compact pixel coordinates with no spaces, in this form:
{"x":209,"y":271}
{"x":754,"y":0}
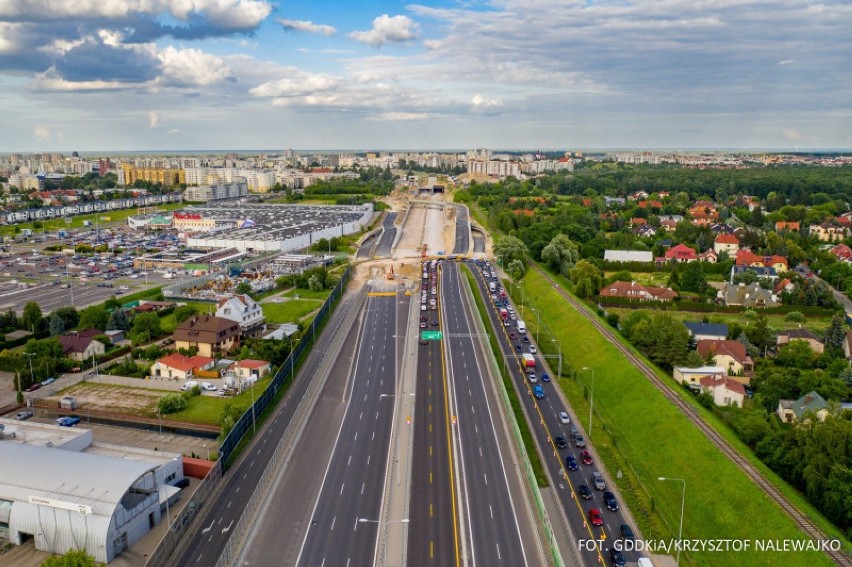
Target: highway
{"x":344,"y":522}
{"x":210,"y":536}
{"x":383,"y":248}
{"x":543,"y":416}
{"x":433,"y":528}
{"x":492,"y":530}
{"x":462,"y":245}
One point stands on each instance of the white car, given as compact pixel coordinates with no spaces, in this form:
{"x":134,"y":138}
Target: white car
{"x":563,"y":417}
{"x":532,"y":349}
{"x":208,"y":386}
{"x":532,"y":377}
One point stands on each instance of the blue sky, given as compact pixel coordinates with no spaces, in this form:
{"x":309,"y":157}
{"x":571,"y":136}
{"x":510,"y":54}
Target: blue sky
{"x":553,"y":74}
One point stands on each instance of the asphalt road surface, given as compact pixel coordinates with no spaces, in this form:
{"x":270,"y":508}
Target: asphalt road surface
{"x":462,"y":245}
{"x":546,"y":426}
{"x":344,"y":523}
{"x":206,"y":544}
{"x":478,"y":243}
{"x":366,"y":249}
{"x":490,"y":518}
{"x":383,"y":248}
{"x":433,"y":528}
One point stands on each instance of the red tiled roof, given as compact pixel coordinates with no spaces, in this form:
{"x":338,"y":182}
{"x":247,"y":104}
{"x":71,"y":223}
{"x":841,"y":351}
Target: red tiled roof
{"x":716,"y":381}
{"x":251,"y":363}
{"x":734,"y":349}
{"x":681,"y":252}
{"x":185,"y":363}
{"x":724,"y":238}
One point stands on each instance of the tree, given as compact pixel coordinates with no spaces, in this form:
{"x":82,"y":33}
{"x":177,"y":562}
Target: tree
{"x":516,"y":269}
{"x":72,"y":558}
{"x":243,"y":288}
{"x":56,"y":325}
{"x":693,"y":278}
{"x":69,"y":315}
{"x":510,"y":248}
{"x":146,"y":326}
{"x":836,"y":334}
{"x":94,"y":317}
{"x":561,"y":254}
{"x":184,"y":312}
{"x":694,"y":360}
{"x":795,"y":354}
{"x":587,"y":279}
{"x":759,"y":334}
{"x":31,"y":316}
{"x":118,"y":321}
{"x":314,"y":283}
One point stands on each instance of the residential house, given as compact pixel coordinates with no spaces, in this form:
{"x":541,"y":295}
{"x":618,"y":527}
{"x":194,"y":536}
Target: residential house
{"x":791,"y":411}
{"x":628,"y":256}
{"x":708,"y":255}
{"x":650,"y":204}
{"x":784,"y":285}
{"x":728,"y":354}
{"x":633,"y":290}
{"x":209,"y":334}
{"x":813,"y":340}
{"x":746,"y":257}
{"x":669,"y":225}
{"x":692,"y":376}
{"x":827,"y":232}
{"x":249,"y":368}
{"x":724,"y":390}
{"x":842,"y":252}
{"x":245,"y":311}
{"x":782,"y":226}
{"x":751,"y":295}
{"x":638,"y":221}
{"x":760,"y":271}
{"x":614,"y":201}
{"x":726,"y":243}
{"x":722,"y":228}
{"x":80,"y":348}
{"x":707,"y":331}
{"x":681,"y":253}
{"x":180,"y":367}
{"x":645,"y":231}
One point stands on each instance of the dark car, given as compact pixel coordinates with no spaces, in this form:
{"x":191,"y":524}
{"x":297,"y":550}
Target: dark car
{"x":585,"y":492}
{"x":435,"y":323}
{"x":595,"y":517}
{"x":616,"y":558}
{"x":610,"y":501}
{"x":571,"y":463}
{"x":526,"y":339}
{"x":513,"y":336}
{"x":545,"y":377}
{"x":560,"y":442}
{"x":586,"y":457}
{"x":627,"y":532}
{"x":518,"y":349}
{"x":424,"y":342}
{"x":33,"y":387}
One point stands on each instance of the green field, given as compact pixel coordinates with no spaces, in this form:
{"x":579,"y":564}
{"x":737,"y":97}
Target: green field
{"x":208,"y":409}
{"x":308,"y":294}
{"x":638,"y":432}
{"x":290,"y":311}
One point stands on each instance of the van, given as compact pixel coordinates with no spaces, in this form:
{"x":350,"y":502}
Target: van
{"x":644,"y":562}
{"x":188,"y":385}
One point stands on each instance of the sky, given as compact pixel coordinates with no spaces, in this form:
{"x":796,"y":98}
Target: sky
{"x":124,"y":75}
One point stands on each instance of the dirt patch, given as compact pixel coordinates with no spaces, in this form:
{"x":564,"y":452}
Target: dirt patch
{"x":110,"y":398}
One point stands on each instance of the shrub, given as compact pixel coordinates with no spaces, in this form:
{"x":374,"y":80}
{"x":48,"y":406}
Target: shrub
{"x":171,"y":403}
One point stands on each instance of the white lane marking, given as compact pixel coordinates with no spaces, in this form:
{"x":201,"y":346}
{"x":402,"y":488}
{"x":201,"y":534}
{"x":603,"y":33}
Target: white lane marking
{"x":226,"y":530}
{"x":208,"y":528}
{"x":341,"y":487}
{"x":333,"y":521}
{"x":349,"y":462}
{"x":491,"y":510}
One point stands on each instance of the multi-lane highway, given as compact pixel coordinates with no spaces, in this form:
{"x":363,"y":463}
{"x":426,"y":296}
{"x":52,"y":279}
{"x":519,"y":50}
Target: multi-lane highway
{"x":383,"y":248}
{"x":344,"y":522}
{"x":462,"y":244}
{"x":543,"y":413}
{"x":491,"y":516}
{"x":433,"y":527}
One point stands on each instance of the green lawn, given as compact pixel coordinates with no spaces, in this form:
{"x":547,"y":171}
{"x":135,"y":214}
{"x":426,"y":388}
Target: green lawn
{"x":208,"y":409}
{"x":309,"y":294}
{"x":290,"y":311}
{"x":640,"y":433}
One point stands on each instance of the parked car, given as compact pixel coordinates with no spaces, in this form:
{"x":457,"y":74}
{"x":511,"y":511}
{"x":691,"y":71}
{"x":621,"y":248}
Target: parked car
{"x":48,"y":381}
{"x":33,"y":387}
{"x":563,"y":415}
{"x":585,"y":492}
{"x":610,"y":501}
{"x":598,"y":481}
{"x":68,"y":421}
{"x":595,"y":517}
{"x":24,"y":415}
{"x":208,"y":386}
{"x":560,"y":442}
{"x":586,"y":457}
{"x":571,"y":463}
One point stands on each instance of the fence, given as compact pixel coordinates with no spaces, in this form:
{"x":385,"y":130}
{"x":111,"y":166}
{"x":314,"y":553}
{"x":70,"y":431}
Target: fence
{"x":180,"y":527}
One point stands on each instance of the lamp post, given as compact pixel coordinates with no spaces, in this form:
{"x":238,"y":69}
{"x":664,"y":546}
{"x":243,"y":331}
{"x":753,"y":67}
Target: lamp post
{"x":32,"y":375}
{"x":559,"y":347}
{"x":537,"y":323}
{"x":591,"y":398}
{"x":682,"y":502}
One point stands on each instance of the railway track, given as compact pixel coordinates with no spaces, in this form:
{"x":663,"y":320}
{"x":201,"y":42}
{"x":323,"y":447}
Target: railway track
{"x":692,"y":414}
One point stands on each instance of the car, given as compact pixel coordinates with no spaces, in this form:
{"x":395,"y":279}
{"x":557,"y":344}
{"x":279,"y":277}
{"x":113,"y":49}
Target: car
{"x":627,"y":532}
{"x":435,"y":323}
{"x":579,"y":441}
{"x":560,"y":442}
{"x":532,"y":349}
{"x":518,"y":349}
{"x":208,"y":386}
{"x":586,"y":457}
{"x":571,"y":463}
{"x":423,"y":318}
{"x":610,"y":501}
{"x":563,"y":415}
{"x":24,"y":415}
{"x":424,"y":342}
{"x":598,"y":481}
{"x":595,"y":517}
{"x":526,"y":340}
{"x":422,"y":324}
{"x":538,"y":392}
{"x":545,"y":377}
{"x":513,"y":336}
{"x":33,"y":387}
{"x":616,"y":558}
{"x":532,"y":377}
{"x":68,"y":421}
{"x":48,"y":381}
{"x":585,"y":492}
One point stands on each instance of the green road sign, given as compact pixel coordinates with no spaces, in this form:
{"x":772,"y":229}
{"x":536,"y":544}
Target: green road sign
{"x":431,"y":335}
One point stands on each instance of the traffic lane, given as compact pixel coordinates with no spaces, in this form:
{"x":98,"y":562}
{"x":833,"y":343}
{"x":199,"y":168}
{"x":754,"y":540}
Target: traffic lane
{"x":565,"y":489}
{"x":366,"y":248}
{"x":550,"y":427}
{"x":227,"y":508}
{"x":354,"y":479}
{"x":491,"y":516}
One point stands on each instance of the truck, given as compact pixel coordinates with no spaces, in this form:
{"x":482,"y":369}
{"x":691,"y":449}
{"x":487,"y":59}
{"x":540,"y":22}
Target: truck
{"x":504,"y":314}
{"x":529,"y":361}
{"x":522,"y":327}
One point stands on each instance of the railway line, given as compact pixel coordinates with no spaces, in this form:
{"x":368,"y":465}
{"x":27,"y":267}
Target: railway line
{"x":692,"y":414}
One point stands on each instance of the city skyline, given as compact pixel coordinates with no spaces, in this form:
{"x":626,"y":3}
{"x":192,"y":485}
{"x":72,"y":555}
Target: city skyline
{"x":149,"y":76}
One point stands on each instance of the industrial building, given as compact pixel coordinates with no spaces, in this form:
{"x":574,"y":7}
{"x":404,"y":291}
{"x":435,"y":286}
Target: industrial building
{"x":61,"y":491}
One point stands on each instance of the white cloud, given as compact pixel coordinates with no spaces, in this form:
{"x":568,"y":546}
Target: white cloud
{"x":296,"y":84}
{"x":42,"y":133}
{"x":193,"y":67}
{"x":153,"y":119}
{"x":306,"y":26}
{"x":479,"y":101}
{"x":387,"y":29}
{"x":787,"y":62}
{"x":401,"y":116}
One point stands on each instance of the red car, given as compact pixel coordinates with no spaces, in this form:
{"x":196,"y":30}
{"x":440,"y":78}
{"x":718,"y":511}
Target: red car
{"x":34,"y":387}
{"x":513,"y":336}
{"x":595,"y":517}
{"x":586,"y":457}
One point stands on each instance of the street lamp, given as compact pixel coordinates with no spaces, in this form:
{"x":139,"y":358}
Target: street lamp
{"x":682,"y":502}
{"x":591,"y":398}
{"x":537,"y":323}
{"x":32,"y":375}
{"x":559,"y":347}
